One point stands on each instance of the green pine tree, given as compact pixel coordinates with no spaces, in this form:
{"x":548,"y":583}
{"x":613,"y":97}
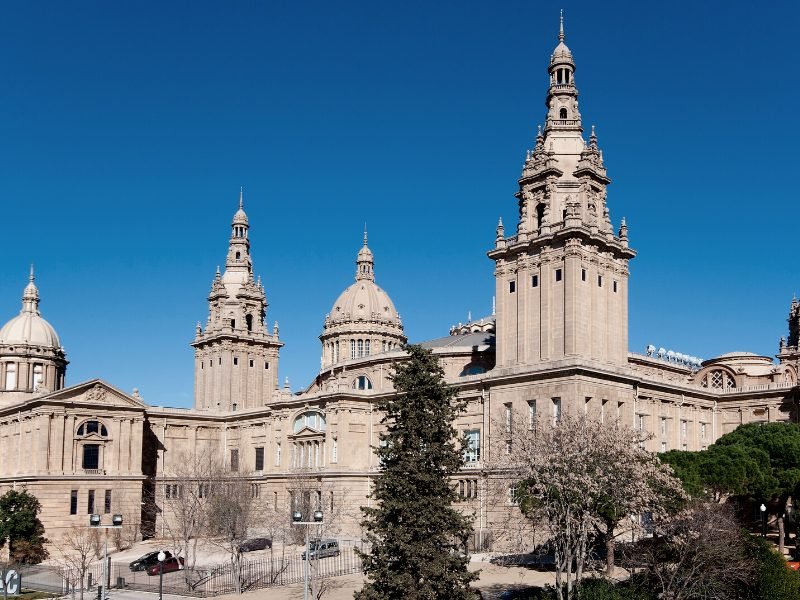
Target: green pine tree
{"x":20,"y":525}
{"x":418,"y":539}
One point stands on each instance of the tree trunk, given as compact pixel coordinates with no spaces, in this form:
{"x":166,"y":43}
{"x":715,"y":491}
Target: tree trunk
{"x":780,"y":533}
{"x":610,"y":547}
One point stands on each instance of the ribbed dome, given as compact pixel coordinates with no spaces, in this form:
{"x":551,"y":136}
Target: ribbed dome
{"x":240,"y":217}
{"x":31,"y":329}
{"x":364,"y":301}
{"x":561,"y":54}
{"x":28,"y":327}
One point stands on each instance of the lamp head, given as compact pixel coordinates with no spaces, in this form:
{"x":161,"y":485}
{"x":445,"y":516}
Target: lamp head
{"x":318,"y":516}
{"x":94,"y":520}
{"x":116,"y":520}
{"x":297,"y":516}
{"x":161,"y":556}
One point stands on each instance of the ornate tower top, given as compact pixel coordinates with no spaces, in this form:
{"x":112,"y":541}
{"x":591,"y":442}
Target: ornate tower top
{"x":365,"y":263}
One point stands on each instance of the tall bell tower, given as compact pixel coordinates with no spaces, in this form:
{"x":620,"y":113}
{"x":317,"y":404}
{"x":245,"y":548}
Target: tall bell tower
{"x":236,"y":356}
{"x":562,"y":280}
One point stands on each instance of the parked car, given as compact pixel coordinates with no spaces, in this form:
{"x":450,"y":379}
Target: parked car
{"x":171,"y":564}
{"x":323,"y":549}
{"x":148,"y":560}
{"x":255,"y":544}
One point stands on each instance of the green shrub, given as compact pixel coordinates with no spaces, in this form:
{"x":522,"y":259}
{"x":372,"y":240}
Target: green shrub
{"x":774,"y":580}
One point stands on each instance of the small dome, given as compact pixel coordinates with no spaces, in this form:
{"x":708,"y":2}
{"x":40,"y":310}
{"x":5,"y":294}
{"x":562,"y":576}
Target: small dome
{"x":561,"y":54}
{"x":240,"y":217}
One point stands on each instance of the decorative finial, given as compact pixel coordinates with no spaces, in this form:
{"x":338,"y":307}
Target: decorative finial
{"x":365,"y":233}
{"x":538,"y":130}
{"x":561,"y":29}
{"x":469,"y":316}
{"x":593,"y":135}
{"x":241,"y":197}
{"x":31,"y":277}
{"x":494,"y":305}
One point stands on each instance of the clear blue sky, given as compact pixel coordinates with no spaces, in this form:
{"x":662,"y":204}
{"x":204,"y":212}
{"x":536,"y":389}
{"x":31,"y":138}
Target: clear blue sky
{"x":127,"y":129}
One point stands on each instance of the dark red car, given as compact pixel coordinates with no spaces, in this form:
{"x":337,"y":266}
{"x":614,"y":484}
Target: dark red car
{"x":171,"y":564}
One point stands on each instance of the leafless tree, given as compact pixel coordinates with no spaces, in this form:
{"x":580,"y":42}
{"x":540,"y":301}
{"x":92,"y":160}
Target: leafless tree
{"x":74,"y":553}
{"x":186,"y":514}
{"x":580,"y":476}
{"x":700,"y":553}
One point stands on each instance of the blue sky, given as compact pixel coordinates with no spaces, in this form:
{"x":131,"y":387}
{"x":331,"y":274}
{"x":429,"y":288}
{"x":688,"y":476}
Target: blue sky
{"x":127,"y":129}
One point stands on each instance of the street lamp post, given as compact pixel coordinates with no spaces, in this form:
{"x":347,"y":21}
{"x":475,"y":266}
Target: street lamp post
{"x":297,"y":519}
{"x":763,"y":520}
{"x":161,"y":558}
{"x":116,"y":523}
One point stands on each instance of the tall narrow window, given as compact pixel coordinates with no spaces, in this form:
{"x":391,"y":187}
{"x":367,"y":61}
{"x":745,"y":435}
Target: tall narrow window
{"x":259,"y":459}
{"x":234,"y":460}
{"x":512,"y":287}
{"x":91,"y":456}
{"x":73,"y":502}
{"x":38,"y":376}
{"x":366,"y":347}
{"x":249,"y":321}
{"x":352,"y":348}
{"x":360,"y":348}
{"x":107,"y":502}
{"x":90,"y":503}
{"x":562,"y":113}
{"x":556,"y":411}
{"x":600,"y":281}
{"x":334,"y":451}
{"x":11,"y":376}
{"x":531,"y":414}
{"x":583,"y":274}
{"x":472,"y":453}
{"x":534,"y":281}
{"x":278,"y":454}
{"x":558,"y":274}
{"x":508,"y":416}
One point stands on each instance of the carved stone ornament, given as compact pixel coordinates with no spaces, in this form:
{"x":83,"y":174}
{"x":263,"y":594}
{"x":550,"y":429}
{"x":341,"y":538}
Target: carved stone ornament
{"x":96,"y":394}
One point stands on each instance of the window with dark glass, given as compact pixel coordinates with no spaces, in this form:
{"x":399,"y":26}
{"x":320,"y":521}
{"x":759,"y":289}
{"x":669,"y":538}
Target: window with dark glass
{"x":91,"y":456}
{"x":234,"y":460}
{"x":90,"y":503}
{"x":259,"y":459}
{"x":73,"y":502}
{"x":107,"y":503}
{"x":534,"y":281}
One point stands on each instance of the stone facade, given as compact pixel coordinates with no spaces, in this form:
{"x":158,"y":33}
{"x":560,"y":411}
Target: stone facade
{"x":557,"y":343}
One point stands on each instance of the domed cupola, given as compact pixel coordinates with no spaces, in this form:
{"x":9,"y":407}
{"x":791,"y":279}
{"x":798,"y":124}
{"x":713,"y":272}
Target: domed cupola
{"x":31,"y":356}
{"x":363,"y":321}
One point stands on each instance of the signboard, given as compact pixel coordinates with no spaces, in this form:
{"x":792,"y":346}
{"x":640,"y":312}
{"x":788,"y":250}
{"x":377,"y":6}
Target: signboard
{"x":10,"y":583}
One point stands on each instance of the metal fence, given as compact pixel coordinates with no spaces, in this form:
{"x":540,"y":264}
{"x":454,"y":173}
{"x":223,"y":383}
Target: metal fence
{"x":201,"y":581}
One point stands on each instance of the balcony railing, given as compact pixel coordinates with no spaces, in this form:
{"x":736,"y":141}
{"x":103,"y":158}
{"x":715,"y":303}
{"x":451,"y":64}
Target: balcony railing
{"x":94,"y":472}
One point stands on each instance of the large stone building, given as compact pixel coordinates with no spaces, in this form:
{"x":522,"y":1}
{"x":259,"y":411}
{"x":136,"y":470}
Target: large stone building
{"x":558,"y":343}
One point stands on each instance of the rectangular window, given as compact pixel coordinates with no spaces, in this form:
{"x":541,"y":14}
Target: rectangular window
{"x":11,"y":376}
{"x":556,"y":411}
{"x":266,"y":365}
{"x":663,"y":446}
{"x":259,"y":459}
{"x":619,"y":410}
{"x":234,"y":460}
{"x":90,"y":503}
{"x":167,"y":491}
{"x":275,"y":500}
{"x":603,"y":410}
{"x":586,"y":405}
{"x":512,"y":496}
{"x":252,"y":362}
{"x":107,"y":503}
{"x":684,"y":447}
{"x":512,"y":287}
{"x":663,"y":426}
{"x":683,"y":427}
{"x":615,"y":287}
{"x":73,"y":502}
{"x":531,"y":414}
{"x":508,"y":416}
{"x":583,"y":274}
{"x":235,"y":361}
{"x":599,"y":281}
{"x":278,"y":454}
{"x":639,"y":422}
{"x":472,"y":453}
{"x":558,"y":274}
{"x":91,"y":456}
{"x":534,"y":281}
{"x":334,"y":451}
{"x":509,"y":446}
{"x":702,"y":431}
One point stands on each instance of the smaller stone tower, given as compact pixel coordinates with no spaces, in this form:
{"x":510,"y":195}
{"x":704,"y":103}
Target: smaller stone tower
{"x":236,"y":356}
{"x":789,"y":349}
{"x":32,"y":361}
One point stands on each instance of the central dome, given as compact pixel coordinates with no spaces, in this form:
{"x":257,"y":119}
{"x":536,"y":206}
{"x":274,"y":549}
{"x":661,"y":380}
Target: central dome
{"x":28,"y":327}
{"x":363,"y":320}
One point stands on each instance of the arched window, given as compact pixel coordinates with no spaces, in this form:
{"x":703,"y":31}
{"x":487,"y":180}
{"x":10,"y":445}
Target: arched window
{"x":238,"y":255}
{"x":718,"y":380}
{"x":312,"y":419}
{"x":96,"y":427}
{"x":362,"y":382}
{"x":562,"y":113}
{"x":249,"y":320}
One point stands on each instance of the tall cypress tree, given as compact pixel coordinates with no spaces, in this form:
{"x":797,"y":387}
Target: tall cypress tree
{"x":417,"y":537}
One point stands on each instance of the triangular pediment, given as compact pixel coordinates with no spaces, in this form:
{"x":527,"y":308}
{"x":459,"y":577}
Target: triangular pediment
{"x":96,"y":392}
{"x":307,"y":432}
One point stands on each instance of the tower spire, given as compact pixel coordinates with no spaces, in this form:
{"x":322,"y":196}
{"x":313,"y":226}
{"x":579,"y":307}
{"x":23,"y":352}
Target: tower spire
{"x":241,"y":197}
{"x":561,"y":28}
{"x":365,"y":234}
{"x":30,"y":296}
